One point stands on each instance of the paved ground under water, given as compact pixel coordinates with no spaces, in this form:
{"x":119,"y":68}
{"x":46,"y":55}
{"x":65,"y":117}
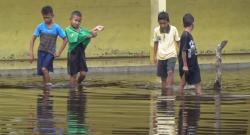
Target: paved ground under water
{"x":124,"y":104}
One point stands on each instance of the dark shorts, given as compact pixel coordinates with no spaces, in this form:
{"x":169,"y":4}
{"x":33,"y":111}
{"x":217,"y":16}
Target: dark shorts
{"x":45,"y":60}
{"x":164,"y":66}
{"x":193,"y":76}
{"x":77,"y":61}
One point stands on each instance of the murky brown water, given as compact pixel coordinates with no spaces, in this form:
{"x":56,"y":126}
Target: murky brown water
{"x":124,"y":104}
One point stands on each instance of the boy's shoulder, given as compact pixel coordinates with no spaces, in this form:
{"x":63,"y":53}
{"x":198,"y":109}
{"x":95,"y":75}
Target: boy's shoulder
{"x":69,"y":30}
{"x":56,"y":25}
{"x":185,"y":34}
{"x":84,"y":29}
{"x":41,"y":24}
{"x":157,"y":29}
{"x":173,"y":28}
{"x":68,"y":27}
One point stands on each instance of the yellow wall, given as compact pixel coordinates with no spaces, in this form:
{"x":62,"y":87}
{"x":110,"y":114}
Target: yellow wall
{"x":215,"y":20}
{"x":127,"y":25}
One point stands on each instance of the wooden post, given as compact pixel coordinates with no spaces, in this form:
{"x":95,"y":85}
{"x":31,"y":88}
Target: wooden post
{"x":217,"y":83}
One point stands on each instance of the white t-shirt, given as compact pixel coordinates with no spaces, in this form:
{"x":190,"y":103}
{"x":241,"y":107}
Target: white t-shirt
{"x":166,"y":43}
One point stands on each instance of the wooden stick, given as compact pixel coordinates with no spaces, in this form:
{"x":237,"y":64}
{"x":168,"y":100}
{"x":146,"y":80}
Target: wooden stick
{"x":218,"y":83}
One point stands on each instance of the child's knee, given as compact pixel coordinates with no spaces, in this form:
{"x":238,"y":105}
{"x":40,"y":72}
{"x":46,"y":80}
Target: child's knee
{"x":83,"y":73}
{"x":182,"y":84}
{"x":163,"y":79}
{"x":44,"y":69}
{"x":170,"y":73}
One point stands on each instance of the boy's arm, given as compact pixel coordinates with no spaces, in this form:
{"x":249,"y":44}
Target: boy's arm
{"x":155,"y":51}
{"x":65,"y":41}
{"x":184,"y":58}
{"x":185,"y":42}
{"x":155,"y":47}
{"x":178,"y":44}
{"x":95,"y":30}
{"x":93,"y":34}
{"x":31,"y":54}
{"x":177,"y":38}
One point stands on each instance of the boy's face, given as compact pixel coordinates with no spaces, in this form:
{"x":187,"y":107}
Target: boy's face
{"x":75,"y":21}
{"x":48,"y":18}
{"x":163,"y":23}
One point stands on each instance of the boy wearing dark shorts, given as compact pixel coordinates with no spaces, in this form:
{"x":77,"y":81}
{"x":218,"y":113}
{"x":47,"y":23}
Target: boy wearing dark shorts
{"x":188,"y":63}
{"x":165,"y":40}
{"x":48,"y":31}
{"x":78,"y":39}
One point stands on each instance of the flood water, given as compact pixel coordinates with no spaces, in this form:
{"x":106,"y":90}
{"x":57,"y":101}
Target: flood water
{"x":124,"y":104}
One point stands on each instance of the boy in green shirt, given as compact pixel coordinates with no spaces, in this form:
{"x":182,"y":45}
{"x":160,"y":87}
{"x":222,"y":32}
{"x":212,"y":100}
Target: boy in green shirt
{"x":78,"y":39}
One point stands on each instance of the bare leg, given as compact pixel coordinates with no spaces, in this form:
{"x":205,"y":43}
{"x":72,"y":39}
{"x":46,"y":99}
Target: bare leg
{"x":81,"y":77}
{"x":182,"y":85}
{"x":73,"y":80}
{"x":44,"y":80}
{"x":170,"y":79}
{"x":198,"y":89}
{"x":163,"y":82}
{"x":46,"y":77}
{"x":167,"y":84}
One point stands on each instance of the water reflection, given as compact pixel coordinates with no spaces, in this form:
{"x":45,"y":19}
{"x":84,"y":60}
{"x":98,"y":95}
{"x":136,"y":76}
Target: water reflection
{"x":217,"y":104}
{"x":164,"y":115}
{"x":189,"y":115}
{"x":45,"y":117}
{"x":123,"y":109}
{"x":76,"y":112}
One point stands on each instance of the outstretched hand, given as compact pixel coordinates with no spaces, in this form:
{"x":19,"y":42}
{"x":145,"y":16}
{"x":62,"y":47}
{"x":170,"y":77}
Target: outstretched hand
{"x":99,"y":28}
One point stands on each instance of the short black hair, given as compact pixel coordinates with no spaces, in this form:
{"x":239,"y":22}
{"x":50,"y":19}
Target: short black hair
{"x":163,"y":16}
{"x":47,"y":10}
{"x":76,"y":13}
{"x":188,"y":20}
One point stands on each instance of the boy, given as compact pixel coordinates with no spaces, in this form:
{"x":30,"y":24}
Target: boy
{"x":188,"y":64}
{"x":48,"y":31}
{"x":165,"y":39}
{"x":78,"y":38}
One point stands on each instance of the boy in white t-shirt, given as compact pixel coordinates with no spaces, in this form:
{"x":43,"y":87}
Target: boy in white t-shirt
{"x":166,"y":38}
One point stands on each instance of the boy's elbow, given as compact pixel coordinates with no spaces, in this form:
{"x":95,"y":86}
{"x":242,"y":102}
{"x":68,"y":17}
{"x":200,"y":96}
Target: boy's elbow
{"x":33,"y":38}
{"x":155,"y":43}
{"x":65,"y":39}
{"x":178,"y":42}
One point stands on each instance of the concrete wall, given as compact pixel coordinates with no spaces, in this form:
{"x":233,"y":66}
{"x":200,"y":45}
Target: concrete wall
{"x":215,"y":20}
{"x":127,"y":24}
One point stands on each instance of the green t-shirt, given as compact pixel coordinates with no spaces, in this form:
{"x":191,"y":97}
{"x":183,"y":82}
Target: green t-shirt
{"x":76,"y":38}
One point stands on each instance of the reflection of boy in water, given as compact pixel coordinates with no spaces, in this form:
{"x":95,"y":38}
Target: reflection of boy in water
{"x":45,"y":118}
{"x":164,"y":119}
{"x":189,"y":116}
{"x":76,"y":113}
